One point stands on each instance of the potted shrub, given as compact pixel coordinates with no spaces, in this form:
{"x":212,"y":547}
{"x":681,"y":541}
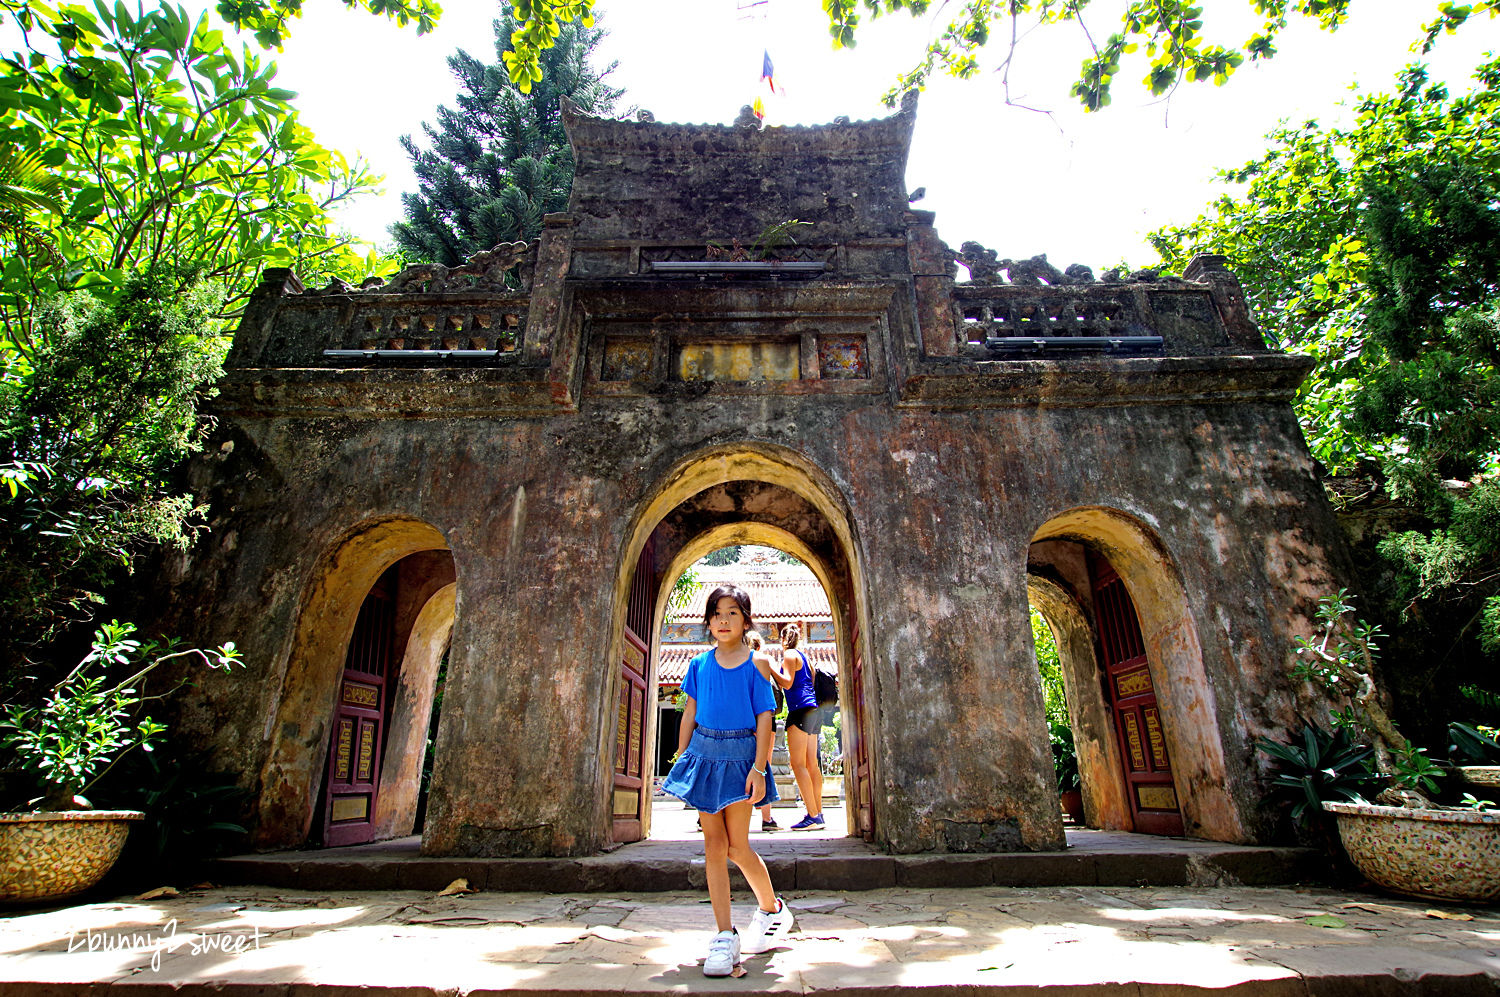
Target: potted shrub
{"x":67,"y":743}
{"x":1403,"y":841}
{"x":1477,"y":752}
{"x":1065,"y":766}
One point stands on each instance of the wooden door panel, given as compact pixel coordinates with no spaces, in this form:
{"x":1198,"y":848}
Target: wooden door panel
{"x":858,"y":805}
{"x":629,"y":797}
{"x":353,"y":779}
{"x":1149,"y":787}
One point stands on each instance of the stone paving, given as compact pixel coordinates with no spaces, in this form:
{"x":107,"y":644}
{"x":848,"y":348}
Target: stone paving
{"x":990,"y":941}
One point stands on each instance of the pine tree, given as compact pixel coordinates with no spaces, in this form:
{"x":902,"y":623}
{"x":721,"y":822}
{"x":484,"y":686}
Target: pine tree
{"x":500,"y":160}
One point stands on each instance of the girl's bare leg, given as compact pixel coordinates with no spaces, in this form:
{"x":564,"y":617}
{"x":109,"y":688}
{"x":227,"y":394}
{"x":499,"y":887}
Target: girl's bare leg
{"x":801,"y":746}
{"x":716,"y":849}
{"x":736,"y":823}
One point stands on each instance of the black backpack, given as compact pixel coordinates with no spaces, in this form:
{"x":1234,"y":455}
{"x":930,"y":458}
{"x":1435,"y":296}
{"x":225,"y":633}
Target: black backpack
{"x":825,"y":687}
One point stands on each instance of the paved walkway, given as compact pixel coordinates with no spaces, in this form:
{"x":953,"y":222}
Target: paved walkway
{"x":1141,"y":942}
{"x":1103,"y":937}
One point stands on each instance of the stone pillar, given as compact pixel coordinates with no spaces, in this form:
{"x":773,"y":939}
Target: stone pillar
{"x":547,"y":342}
{"x":933,"y":271}
{"x":521,"y":763}
{"x":961,"y":753}
{"x":260,"y":316}
{"x":1229,"y":298}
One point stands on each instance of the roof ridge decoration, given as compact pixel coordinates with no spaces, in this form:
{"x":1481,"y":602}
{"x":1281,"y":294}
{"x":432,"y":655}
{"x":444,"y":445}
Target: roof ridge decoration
{"x":586,"y":131}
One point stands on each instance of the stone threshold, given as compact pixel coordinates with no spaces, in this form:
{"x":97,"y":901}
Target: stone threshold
{"x":1093,"y":858}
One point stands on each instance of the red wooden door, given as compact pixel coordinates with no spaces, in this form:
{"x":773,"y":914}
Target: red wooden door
{"x":630,"y":742}
{"x":861,"y":814}
{"x":633,"y":763}
{"x":1143,"y":748}
{"x":358,"y":722}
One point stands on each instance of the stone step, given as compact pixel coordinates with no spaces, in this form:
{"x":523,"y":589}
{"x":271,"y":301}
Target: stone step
{"x":796,"y":862}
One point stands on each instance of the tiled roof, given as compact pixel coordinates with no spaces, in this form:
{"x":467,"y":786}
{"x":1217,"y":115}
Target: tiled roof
{"x":778,"y":599}
{"x":675,"y":657}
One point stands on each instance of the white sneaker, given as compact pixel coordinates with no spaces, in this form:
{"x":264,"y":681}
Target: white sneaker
{"x":766,"y":928}
{"x":723,"y":954}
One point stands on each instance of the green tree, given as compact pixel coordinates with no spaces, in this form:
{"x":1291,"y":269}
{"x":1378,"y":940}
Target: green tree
{"x":268,"y":19}
{"x":85,"y":50}
{"x":1168,"y":35}
{"x":500,"y":160}
{"x":90,"y":429}
{"x":192,"y":157}
{"x":1374,"y":249}
{"x":721,"y":557}
{"x":151,"y":170}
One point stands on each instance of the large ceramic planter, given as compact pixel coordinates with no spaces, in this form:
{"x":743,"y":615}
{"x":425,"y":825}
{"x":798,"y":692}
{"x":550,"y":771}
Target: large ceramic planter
{"x":1436,"y":854}
{"x":1487,"y":776}
{"x":49,"y":855}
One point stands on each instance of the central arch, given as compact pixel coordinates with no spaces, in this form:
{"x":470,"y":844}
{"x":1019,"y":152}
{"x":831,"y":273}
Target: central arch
{"x":754,"y":493}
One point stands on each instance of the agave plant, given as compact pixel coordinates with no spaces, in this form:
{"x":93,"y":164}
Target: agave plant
{"x":1319,"y":765}
{"x":1475,"y":745}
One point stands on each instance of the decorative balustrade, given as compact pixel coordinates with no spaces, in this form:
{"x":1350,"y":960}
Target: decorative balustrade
{"x":1029,"y":306}
{"x":396,"y":327}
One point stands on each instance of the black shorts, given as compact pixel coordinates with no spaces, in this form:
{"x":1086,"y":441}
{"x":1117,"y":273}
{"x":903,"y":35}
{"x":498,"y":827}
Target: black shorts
{"x":805,"y":720}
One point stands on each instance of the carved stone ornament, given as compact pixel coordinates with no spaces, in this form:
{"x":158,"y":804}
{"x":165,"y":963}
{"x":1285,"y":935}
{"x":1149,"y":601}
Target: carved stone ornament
{"x":484,"y":271}
{"x":986,"y":267}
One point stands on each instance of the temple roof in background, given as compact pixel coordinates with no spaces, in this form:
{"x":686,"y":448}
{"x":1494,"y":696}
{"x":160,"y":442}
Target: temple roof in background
{"x":675,"y":657}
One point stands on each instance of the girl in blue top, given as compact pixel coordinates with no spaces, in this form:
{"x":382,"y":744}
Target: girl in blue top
{"x":721,"y":770}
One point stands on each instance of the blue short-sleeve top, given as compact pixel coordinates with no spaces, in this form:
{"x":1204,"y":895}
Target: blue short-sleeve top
{"x":727,"y":698}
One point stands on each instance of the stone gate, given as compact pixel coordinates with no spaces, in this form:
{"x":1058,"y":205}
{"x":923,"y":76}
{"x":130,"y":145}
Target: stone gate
{"x":504,"y":466}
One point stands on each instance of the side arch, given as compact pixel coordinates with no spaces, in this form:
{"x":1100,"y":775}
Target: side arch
{"x":299,"y":727}
{"x":406,"y":738}
{"x":1175,"y":657}
{"x":1104,"y":803}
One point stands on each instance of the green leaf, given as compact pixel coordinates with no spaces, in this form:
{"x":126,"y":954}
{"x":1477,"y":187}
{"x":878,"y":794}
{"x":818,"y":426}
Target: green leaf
{"x":1325,"y":921}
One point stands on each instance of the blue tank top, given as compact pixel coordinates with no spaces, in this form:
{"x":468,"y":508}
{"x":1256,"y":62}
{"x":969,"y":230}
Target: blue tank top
{"x":800,"y":696}
{"x":727,"y":698}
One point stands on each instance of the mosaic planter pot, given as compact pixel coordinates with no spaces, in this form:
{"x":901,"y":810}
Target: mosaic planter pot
{"x":1433,"y":854}
{"x":54,"y":854}
{"x":1487,"y":776}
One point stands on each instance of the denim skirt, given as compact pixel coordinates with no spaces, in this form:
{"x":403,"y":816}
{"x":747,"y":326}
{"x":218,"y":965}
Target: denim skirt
{"x":711,"y":773}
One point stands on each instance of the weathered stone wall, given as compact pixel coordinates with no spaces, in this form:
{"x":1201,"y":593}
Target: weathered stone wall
{"x":852,"y":409}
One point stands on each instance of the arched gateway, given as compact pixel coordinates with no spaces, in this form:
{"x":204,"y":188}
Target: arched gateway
{"x":558,"y":429}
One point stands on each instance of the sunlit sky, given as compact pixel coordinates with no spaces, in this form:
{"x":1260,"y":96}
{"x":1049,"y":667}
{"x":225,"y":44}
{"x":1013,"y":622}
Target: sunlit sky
{"x":1079,"y":187}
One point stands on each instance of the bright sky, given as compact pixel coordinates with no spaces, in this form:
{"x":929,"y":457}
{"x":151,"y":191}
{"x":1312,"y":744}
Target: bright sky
{"x":1079,"y":187}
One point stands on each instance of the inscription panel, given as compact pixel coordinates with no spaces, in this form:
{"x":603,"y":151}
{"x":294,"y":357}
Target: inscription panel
{"x":1156,"y":797}
{"x":359,"y":694}
{"x":350,"y":808}
{"x":1133,"y":738}
{"x":743,"y":361}
{"x":343,"y":750}
{"x":627,"y":359}
{"x":1154,"y":738}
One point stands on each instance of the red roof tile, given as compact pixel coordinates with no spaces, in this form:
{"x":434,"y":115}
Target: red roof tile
{"x":775,"y":599}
